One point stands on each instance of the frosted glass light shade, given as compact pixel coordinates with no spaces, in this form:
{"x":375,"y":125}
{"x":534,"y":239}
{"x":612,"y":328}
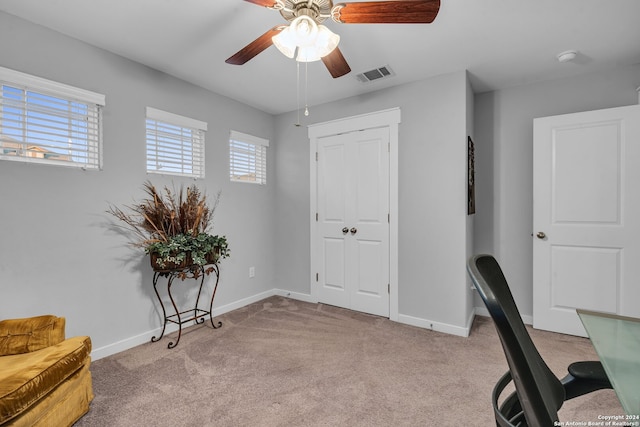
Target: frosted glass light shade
{"x":324,"y":44}
{"x":308,"y":54}
{"x":285,"y":42}
{"x":326,"y":41}
{"x":304,"y":30}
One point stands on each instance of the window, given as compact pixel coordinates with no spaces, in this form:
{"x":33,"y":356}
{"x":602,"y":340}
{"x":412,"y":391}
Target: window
{"x":175,"y":144}
{"x":247,"y":158}
{"x":42,"y":121}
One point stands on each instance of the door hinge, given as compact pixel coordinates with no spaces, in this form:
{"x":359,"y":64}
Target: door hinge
{"x":388,"y":288}
{"x":317,"y":277}
{"x":316,"y":156}
{"x":316,"y":216}
{"x":388,"y":147}
{"x":389,"y":218}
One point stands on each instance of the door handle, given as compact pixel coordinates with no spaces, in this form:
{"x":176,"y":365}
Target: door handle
{"x":541,"y":235}
{"x":345,"y":230}
{"x":354,"y":230}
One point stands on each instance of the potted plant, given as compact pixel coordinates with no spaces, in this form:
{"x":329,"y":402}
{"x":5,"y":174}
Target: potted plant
{"x":173,"y":228}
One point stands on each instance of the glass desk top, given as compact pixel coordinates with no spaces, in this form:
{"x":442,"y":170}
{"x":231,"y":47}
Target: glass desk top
{"x":617,"y":342}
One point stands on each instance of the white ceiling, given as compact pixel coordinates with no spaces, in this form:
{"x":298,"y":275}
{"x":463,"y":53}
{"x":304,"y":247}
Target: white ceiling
{"x":502,"y":43}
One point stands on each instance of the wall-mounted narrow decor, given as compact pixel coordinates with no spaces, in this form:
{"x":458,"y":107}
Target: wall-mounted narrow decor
{"x":471,"y":180}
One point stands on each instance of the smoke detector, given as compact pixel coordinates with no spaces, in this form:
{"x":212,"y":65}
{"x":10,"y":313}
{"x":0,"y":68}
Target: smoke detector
{"x":567,"y":56}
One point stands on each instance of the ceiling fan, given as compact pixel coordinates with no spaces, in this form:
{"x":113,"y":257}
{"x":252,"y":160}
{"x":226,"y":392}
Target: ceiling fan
{"x":306,"y":17}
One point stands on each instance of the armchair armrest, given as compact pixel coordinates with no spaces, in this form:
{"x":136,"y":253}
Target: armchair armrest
{"x":30,"y":334}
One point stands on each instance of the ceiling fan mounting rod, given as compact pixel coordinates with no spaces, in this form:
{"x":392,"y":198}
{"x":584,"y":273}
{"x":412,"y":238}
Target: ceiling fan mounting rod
{"x":307,"y":12}
{"x":307,"y":8}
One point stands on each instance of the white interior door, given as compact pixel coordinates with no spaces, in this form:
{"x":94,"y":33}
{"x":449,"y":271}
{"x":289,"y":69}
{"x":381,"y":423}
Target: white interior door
{"x":353,"y":220}
{"x":586,"y":219}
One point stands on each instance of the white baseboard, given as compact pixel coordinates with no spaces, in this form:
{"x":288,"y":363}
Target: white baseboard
{"x":295,"y":295}
{"x":243,"y":302}
{"x":482,"y":311}
{"x":435,"y":326}
{"x":126,"y":344}
{"x":472,"y":316}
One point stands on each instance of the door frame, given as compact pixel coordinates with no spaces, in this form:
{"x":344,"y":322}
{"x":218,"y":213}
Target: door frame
{"x":381,"y":119}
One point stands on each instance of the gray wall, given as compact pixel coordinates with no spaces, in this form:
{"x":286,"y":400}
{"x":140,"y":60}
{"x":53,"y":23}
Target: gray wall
{"x":432,"y":196}
{"x":58,"y":253}
{"x":504,"y":147}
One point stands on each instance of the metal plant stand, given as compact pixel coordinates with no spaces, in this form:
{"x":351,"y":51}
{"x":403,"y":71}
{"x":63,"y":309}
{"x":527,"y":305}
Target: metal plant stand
{"x":196,"y":314}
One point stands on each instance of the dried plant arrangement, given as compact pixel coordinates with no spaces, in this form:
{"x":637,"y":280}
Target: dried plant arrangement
{"x":173,"y":226}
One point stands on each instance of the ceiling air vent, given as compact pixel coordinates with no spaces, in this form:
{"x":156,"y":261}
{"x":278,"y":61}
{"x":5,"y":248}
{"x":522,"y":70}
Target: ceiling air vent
{"x":375,"y":74}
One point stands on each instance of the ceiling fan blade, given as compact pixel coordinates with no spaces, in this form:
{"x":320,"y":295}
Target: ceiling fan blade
{"x":265,"y":3}
{"x":388,"y":12}
{"x":255,"y":47}
{"x":336,"y":64}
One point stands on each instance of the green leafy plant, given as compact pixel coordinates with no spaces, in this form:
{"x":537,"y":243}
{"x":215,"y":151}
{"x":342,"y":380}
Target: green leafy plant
{"x":173,"y":227}
{"x":201,"y":249}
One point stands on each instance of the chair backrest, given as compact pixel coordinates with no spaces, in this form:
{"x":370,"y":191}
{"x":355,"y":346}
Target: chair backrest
{"x":539,"y":391}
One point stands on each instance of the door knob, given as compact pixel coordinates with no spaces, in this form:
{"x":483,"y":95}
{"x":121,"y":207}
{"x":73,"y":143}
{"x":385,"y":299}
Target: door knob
{"x":541,"y":235}
{"x":345,"y":230}
{"x":354,"y":230}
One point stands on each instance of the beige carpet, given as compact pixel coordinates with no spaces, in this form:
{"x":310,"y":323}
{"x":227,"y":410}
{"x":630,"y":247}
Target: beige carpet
{"x":281,"y":362}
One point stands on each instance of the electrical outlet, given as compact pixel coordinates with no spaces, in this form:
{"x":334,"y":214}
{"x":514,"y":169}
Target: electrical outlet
{"x":252,"y":272}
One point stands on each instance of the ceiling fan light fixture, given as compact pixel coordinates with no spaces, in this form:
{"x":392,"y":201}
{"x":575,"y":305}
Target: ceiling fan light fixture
{"x":312,"y":41}
{"x":305,"y":17}
{"x":285,"y":42}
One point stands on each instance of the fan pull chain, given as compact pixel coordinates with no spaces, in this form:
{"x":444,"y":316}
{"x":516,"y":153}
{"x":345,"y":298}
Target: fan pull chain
{"x":298,"y":93}
{"x":306,"y":89}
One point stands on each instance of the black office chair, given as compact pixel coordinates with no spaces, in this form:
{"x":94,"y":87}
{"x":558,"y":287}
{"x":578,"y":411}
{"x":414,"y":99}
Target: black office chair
{"x":539,"y":393}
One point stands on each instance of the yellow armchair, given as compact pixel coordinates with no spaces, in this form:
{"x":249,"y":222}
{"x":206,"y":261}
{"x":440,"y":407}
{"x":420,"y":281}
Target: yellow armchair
{"x":44,"y":378}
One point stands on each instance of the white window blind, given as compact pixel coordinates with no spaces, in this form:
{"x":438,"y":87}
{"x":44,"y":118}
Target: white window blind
{"x":247,"y":158}
{"x":42,"y":121}
{"x":175,"y":144}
